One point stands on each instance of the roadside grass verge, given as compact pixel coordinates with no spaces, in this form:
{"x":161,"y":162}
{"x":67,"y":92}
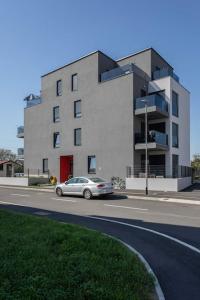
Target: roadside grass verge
{"x":44,"y":259}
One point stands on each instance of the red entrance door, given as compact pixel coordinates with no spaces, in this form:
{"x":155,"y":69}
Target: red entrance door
{"x":66,"y":167}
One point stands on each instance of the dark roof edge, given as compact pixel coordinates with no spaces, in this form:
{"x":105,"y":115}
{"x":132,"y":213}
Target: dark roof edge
{"x":147,"y":49}
{"x":74,"y":61}
{"x":2,"y":162}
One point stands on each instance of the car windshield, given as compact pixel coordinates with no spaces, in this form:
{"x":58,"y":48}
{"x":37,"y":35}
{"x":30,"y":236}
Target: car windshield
{"x":97,"y":179}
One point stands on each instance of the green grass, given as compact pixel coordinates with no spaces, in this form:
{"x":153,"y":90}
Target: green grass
{"x":44,"y":259}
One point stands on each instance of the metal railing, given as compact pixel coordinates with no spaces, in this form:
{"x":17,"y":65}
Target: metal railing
{"x":28,"y":172}
{"x":158,"y":171}
{"x":164,"y":73}
{"x":152,"y":137}
{"x":152,"y":100}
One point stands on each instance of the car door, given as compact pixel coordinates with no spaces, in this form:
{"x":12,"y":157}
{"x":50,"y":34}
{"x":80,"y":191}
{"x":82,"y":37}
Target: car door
{"x":81,"y":183}
{"x":70,"y":186}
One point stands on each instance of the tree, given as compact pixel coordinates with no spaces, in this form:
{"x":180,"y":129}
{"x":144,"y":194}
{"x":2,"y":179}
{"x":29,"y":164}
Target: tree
{"x":6,"y":154}
{"x":196,"y":165}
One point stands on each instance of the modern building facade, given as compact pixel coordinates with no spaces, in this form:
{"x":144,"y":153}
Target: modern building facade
{"x":89,"y":119}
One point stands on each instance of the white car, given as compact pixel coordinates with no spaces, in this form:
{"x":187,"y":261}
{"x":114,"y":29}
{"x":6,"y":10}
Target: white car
{"x":84,"y":186}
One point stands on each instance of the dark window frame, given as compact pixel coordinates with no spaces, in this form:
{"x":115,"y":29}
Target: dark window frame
{"x":77,"y":114}
{"x":92,"y":171}
{"x":1,"y":167}
{"x":175,"y":112}
{"x":55,"y":134}
{"x":75,"y":137}
{"x":44,"y":170}
{"x":54,"y":117}
{"x":175,"y":145}
{"x":59,"y":92}
{"x":72,"y":82}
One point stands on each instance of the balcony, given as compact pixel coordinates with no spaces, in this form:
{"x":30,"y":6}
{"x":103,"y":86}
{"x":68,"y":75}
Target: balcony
{"x":32,"y":100}
{"x":157,"y":107}
{"x":20,"y":132}
{"x":164,"y":73}
{"x":156,"y":141}
{"x":20,"y":153}
{"x":117,"y":72}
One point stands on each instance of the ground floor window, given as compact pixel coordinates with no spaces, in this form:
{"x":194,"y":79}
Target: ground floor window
{"x":92,"y":164}
{"x":45,"y":165}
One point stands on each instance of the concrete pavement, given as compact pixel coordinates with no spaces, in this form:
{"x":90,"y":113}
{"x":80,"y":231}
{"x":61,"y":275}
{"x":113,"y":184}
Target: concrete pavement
{"x":176,"y":266}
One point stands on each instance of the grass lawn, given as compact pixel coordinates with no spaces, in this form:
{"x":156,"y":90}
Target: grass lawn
{"x":44,"y":259}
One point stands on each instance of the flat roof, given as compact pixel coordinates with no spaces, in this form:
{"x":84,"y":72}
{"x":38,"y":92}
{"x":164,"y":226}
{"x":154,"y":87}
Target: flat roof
{"x":96,"y":51}
{"x":74,"y":61}
{"x":147,"y":49}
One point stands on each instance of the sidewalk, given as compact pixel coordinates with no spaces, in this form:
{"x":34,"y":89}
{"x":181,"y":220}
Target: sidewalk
{"x":188,"y":196}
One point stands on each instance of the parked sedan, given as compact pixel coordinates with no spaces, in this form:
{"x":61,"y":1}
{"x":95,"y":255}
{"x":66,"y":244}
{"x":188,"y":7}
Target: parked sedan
{"x":84,"y":186}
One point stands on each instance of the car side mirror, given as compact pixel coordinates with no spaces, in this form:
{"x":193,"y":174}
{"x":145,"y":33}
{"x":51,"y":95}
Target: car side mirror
{"x":66,"y":182}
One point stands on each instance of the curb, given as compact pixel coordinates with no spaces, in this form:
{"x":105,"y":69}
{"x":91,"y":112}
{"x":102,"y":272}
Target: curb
{"x":157,"y":286}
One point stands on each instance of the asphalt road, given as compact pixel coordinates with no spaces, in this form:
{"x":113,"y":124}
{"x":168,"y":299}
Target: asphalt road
{"x":166,"y":234}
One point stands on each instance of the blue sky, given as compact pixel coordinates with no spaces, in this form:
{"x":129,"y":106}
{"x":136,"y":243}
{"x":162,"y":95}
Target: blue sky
{"x":38,"y":36}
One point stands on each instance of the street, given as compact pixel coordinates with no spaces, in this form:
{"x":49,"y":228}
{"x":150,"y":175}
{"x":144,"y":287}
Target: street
{"x":166,"y":234}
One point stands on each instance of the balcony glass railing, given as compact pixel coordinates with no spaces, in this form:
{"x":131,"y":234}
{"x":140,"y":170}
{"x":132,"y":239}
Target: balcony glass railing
{"x":153,"y":137}
{"x":164,"y":73}
{"x":32,"y":100}
{"x":116,"y":72}
{"x":20,"y":151}
{"x":20,"y":130}
{"x":152,"y":100}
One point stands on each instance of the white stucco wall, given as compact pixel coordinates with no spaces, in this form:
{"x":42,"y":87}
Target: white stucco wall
{"x":13,"y":181}
{"x":158,"y":184}
{"x":168,"y":84}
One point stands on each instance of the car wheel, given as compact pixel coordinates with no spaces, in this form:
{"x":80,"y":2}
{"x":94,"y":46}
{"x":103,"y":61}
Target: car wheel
{"x":87,"y":194}
{"x":59,"y":192}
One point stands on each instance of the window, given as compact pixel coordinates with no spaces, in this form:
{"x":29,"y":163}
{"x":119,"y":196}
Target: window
{"x":82,"y":180}
{"x":75,"y":82}
{"x":1,"y":167}
{"x":77,"y":109}
{"x":174,"y":104}
{"x":56,"y":140}
{"x":175,"y":135}
{"x":56,"y":114}
{"x":72,"y":181}
{"x":175,"y":163}
{"x":45,"y":165}
{"x":92,"y":164}
{"x":97,"y":180}
{"x":77,"y":137}
{"x":59,"y":88}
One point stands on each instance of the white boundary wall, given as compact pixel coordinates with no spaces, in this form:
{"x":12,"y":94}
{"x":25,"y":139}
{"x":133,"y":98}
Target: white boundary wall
{"x":21,"y":181}
{"x":13,"y":181}
{"x":159,"y":184}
